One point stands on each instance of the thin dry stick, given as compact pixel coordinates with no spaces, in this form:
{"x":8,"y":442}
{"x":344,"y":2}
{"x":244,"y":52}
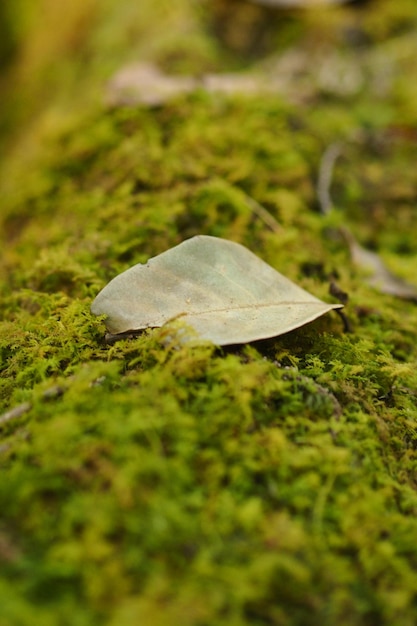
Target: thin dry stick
{"x":14,"y":413}
{"x":25,"y":407}
{"x":263,"y":214}
{"x":324,"y":181}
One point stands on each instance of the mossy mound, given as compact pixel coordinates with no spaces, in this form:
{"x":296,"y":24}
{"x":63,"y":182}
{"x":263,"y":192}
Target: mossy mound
{"x":155,"y":483}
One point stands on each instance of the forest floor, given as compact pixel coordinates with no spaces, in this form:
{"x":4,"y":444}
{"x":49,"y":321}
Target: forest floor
{"x":273,"y":483}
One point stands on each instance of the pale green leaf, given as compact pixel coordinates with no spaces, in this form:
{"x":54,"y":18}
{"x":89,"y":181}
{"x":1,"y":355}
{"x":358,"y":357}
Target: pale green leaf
{"x":218,"y":287}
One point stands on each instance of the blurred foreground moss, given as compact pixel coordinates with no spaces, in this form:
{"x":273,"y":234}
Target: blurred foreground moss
{"x":169,"y":484}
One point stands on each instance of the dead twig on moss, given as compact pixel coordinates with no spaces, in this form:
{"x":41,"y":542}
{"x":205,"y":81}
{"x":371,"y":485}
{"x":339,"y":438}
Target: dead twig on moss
{"x":260,"y":211}
{"x":325,"y":176}
{"x":377,"y":275}
{"x":25,"y":407}
{"x":14,"y":413}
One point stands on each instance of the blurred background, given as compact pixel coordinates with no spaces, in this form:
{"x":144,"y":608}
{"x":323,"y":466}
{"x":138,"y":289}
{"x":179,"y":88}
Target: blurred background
{"x":58,"y":55}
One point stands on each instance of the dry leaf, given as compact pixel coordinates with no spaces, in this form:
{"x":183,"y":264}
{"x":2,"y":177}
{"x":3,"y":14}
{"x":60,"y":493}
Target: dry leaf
{"x":378,"y":276}
{"x":231,"y":83}
{"x":223,"y":291}
{"x":297,"y":74}
{"x":145,"y":83}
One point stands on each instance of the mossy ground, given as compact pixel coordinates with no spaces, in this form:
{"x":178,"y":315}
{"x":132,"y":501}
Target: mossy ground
{"x":188,"y":485}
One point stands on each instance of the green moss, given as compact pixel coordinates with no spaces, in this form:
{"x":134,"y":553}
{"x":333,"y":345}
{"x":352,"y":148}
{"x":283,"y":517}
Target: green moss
{"x":156,"y":483}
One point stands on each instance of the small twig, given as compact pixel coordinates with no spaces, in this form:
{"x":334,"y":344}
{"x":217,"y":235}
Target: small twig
{"x":16,"y":412}
{"x":377,"y":275}
{"x":53,"y":392}
{"x":324,"y":181}
{"x":347,"y":326}
{"x":261,"y":212}
{"x":338,"y":293}
{"x":111,"y":338}
{"x":25,"y":407}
